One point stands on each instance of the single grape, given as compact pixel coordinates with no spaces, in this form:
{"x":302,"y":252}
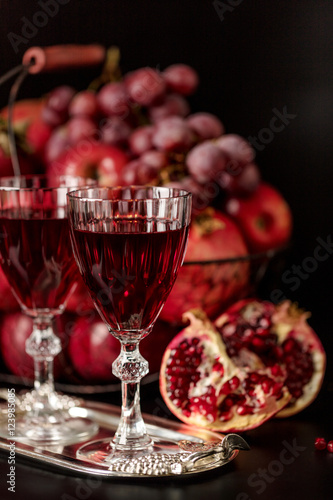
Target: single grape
{"x":205,"y":162}
{"x":205,"y":125}
{"x":155,"y":159}
{"x":80,"y":128}
{"x":129,"y":173}
{"x":83,"y":104}
{"x":137,"y":172}
{"x":172,"y":134}
{"x":236,"y":147}
{"x":115,"y":131}
{"x":59,"y":99}
{"x":173,"y":105}
{"x":240,"y":181}
{"x":113,"y":100}
{"x":145,"y":86}
{"x":140,"y":139}
{"x":57,"y":144}
{"x":181,"y":78}
{"x":51,"y":117}
{"x":202,"y":194}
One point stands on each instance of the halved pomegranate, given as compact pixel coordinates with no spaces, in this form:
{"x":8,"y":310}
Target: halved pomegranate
{"x":203,"y":386}
{"x":278,"y":335}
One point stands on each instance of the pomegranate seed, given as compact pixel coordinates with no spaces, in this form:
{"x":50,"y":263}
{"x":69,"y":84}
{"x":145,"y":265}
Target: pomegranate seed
{"x":277,"y":389}
{"x":278,"y":352}
{"x":330,"y":446}
{"x":234,"y":383}
{"x":225,"y":416}
{"x":218,"y":367}
{"x":225,"y":389}
{"x":229,"y":329}
{"x":289,"y":345}
{"x":183,"y":345}
{"x":276,"y":371}
{"x":195,"y":362}
{"x":264,"y":322}
{"x":228,"y":402}
{"x":258,"y":344}
{"x":320,"y":444}
{"x":243,"y":410}
{"x":176,"y":402}
{"x":195,"y":341}
{"x":254,"y":377}
{"x":267,"y":385}
{"x":186,"y":413}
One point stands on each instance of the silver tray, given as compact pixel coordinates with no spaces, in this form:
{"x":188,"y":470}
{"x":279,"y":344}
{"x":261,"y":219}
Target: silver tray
{"x":107,"y":417}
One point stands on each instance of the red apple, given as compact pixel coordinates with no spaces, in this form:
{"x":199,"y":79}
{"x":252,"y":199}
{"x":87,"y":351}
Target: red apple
{"x":15,"y":328}
{"x":92,"y":349}
{"x":31,"y":135}
{"x":91,"y":159}
{"x":80,"y":300}
{"x":7,"y":300}
{"x":264,"y":218}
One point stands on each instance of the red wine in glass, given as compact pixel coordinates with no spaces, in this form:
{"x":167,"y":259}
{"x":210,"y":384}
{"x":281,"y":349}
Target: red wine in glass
{"x":130,"y":265}
{"x":37,"y":258}
{"x":129,"y":243}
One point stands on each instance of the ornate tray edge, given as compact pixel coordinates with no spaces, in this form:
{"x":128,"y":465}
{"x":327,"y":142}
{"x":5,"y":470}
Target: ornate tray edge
{"x":100,"y":412}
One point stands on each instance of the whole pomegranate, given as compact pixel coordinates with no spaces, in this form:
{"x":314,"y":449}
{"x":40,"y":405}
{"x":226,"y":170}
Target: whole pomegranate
{"x":278,"y":335}
{"x":203,"y":386}
{"x":210,"y":286}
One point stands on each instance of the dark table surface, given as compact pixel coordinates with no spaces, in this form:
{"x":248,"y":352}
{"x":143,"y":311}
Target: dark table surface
{"x":282,"y":464}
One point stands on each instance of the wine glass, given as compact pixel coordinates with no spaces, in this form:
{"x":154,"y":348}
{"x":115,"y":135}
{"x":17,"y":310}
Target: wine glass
{"x":129,"y":243}
{"x":37,"y":259}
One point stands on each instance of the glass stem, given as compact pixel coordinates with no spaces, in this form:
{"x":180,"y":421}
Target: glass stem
{"x":43,"y":346}
{"x":130,"y":367}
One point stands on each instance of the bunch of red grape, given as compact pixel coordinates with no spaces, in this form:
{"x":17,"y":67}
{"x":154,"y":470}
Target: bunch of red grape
{"x":146,"y":115}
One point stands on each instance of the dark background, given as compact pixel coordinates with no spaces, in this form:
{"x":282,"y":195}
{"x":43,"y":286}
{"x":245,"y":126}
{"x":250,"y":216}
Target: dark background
{"x":253,"y":58}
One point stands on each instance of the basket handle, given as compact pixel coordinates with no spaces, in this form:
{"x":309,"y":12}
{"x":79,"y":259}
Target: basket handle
{"x":58,"y":57}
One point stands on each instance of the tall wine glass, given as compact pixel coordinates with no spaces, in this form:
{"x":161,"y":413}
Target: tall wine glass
{"x":129,"y":244}
{"x":37,"y":259}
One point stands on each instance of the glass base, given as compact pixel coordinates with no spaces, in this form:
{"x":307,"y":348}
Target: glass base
{"x":104,"y":452}
{"x":48,"y":431}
